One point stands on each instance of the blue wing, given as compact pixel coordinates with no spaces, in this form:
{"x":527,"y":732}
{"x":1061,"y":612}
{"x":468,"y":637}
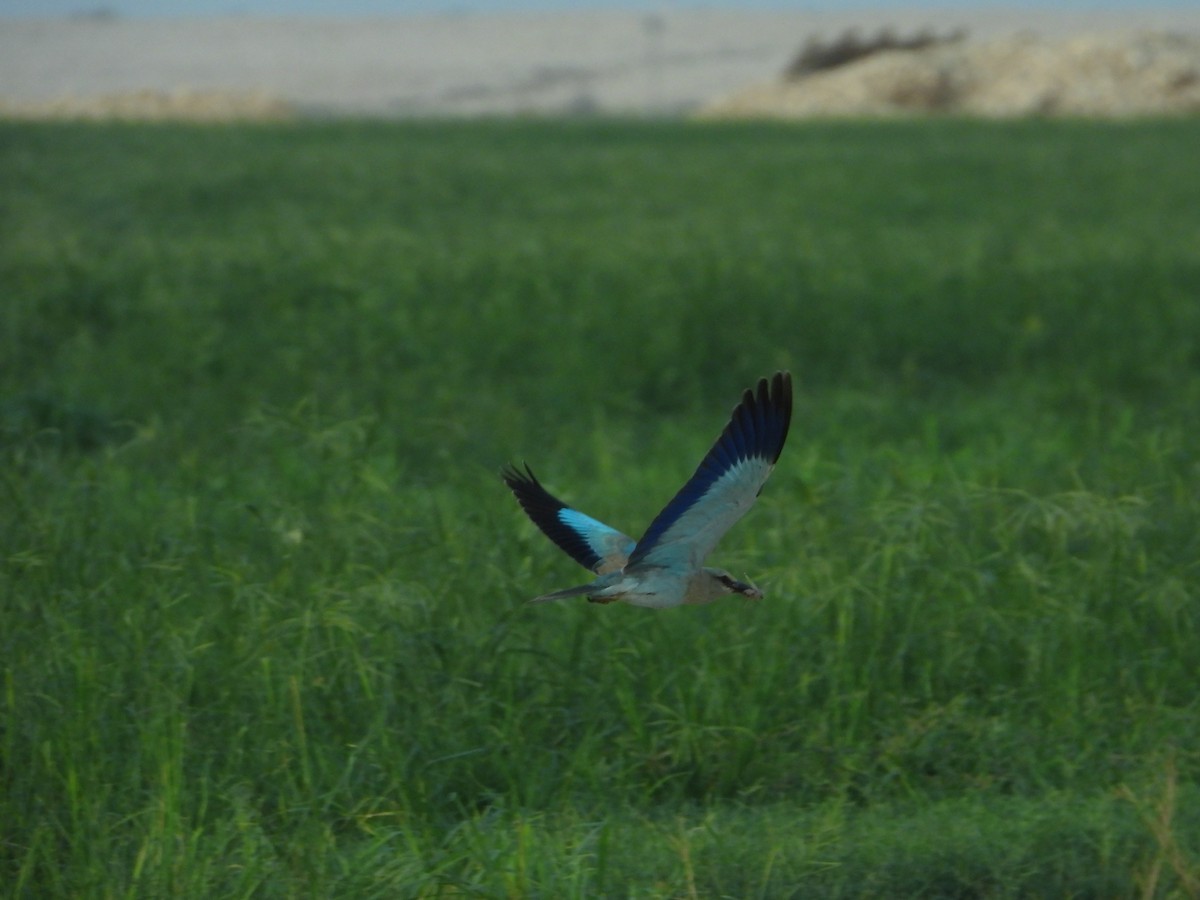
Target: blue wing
{"x":590,"y":543}
{"x":726,"y":483}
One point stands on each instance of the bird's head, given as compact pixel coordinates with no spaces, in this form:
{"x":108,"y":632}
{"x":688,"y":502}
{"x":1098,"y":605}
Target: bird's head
{"x":730,"y":585}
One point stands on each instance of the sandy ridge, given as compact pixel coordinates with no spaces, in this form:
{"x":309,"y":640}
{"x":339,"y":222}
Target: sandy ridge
{"x":608,"y":62}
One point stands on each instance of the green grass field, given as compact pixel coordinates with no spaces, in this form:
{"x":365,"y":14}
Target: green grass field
{"x":262,"y":620}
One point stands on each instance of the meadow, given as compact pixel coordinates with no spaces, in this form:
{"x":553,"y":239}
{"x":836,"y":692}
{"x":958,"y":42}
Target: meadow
{"x":262,"y":618}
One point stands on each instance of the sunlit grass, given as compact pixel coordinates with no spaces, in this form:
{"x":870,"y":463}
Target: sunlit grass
{"x":262,"y":629}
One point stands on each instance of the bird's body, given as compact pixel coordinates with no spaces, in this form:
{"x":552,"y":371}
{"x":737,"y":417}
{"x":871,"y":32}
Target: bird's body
{"x":665,"y":567}
{"x":657,"y":588}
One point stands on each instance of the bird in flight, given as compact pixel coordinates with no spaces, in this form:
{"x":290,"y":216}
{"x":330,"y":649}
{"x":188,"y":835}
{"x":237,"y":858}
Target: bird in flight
{"x":666,"y":566}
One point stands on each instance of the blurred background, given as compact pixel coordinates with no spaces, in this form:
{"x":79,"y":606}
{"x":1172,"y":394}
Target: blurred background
{"x":265,"y":58}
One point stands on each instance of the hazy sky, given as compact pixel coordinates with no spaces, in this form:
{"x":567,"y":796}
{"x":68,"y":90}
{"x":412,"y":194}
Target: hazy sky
{"x":384,"y":7}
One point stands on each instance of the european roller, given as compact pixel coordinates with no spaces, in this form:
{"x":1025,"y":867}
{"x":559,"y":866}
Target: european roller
{"x":665,"y":567}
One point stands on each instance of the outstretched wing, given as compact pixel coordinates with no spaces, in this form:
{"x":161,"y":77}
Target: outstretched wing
{"x":726,"y":483}
{"x":590,"y":543}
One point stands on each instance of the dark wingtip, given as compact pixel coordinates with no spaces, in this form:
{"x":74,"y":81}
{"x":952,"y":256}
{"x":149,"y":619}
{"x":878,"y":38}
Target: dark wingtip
{"x":769,"y":406}
{"x":515,"y":478}
{"x":779,"y":396}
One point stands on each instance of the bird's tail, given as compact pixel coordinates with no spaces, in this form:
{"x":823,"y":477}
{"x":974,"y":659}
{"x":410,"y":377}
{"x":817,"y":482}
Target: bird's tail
{"x":580,"y":591}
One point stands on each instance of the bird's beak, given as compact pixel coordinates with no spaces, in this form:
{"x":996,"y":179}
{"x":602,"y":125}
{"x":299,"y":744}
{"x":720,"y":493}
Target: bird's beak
{"x":747,"y":590}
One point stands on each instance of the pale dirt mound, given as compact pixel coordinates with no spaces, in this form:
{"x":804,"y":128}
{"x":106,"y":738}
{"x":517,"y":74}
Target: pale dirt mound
{"x":1102,"y":75}
{"x":150,"y":105}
